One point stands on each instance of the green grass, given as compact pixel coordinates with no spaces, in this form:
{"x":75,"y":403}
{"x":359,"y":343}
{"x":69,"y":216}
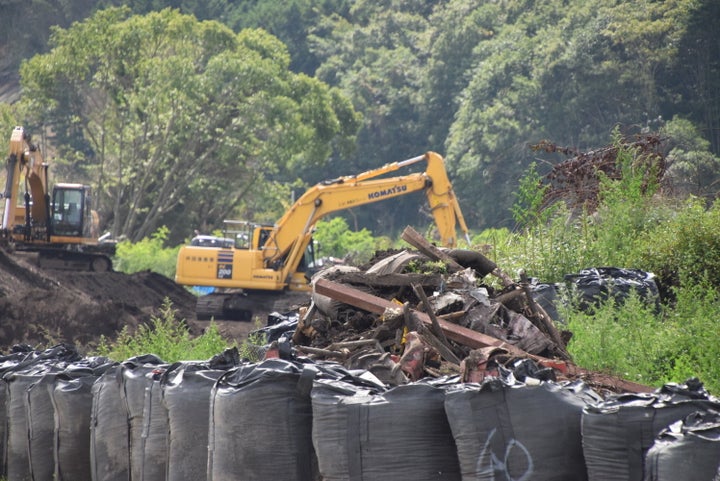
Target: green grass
{"x":167,"y":337}
{"x":678,"y":241}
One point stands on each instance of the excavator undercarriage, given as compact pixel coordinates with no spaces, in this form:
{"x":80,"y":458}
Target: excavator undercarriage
{"x":248,"y":305}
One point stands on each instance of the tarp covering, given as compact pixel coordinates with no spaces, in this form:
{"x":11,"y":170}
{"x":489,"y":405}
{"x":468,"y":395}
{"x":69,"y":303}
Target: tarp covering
{"x":687,"y":449}
{"x":618,"y":432}
{"x":507,"y":430}
{"x":599,"y":284}
{"x":363,"y":435}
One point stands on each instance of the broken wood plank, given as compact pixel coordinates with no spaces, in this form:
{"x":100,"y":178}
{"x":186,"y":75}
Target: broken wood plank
{"x":446,"y":350}
{"x":546,"y":324}
{"x":413,"y":237}
{"x":428,"y":310}
{"x":377,"y":305}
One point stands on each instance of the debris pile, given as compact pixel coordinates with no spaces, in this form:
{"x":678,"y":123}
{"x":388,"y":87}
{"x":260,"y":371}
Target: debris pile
{"x":412,"y":314}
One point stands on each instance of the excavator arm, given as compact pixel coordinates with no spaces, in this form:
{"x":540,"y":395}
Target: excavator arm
{"x":287,"y":243}
{"x":25,"y":162}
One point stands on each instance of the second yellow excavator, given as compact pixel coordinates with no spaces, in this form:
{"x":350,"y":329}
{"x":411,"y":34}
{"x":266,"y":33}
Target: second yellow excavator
{"x":60,"y":227}
{"x":250,"y":268}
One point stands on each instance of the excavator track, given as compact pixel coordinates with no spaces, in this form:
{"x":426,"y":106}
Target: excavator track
{"x":75,"y":261}
{"x":248,"y":305}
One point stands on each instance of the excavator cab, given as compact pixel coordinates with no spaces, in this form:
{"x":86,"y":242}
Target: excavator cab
{"x":71,"y":213}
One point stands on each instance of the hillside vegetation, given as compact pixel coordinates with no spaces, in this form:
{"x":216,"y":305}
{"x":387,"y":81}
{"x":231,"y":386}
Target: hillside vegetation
{"x":185,"y":117}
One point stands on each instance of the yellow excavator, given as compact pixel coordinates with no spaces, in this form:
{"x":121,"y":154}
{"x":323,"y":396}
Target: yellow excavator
{"x":61,"y":227}
{"x":252,"y":264}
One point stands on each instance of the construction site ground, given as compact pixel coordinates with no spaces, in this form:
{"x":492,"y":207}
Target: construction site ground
{"x":45,"y":307}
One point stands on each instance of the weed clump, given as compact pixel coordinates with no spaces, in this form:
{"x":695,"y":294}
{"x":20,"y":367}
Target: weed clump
{"x":167,"y":337}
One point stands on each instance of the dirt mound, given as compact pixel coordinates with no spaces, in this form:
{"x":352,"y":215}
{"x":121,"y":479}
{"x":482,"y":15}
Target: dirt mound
{"x":45,"y":306}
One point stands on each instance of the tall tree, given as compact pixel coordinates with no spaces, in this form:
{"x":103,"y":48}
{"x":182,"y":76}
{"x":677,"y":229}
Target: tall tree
{"x":291,"y":21}
{"x":562,"y":71}
{"x":457,"y":30}
{"x":181,"y":120}
{"x":375,"y":55}
{"x":695,"y":75}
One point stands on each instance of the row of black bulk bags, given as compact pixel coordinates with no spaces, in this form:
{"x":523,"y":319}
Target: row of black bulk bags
{"x":8,"y":363}
{"x":21,"y":370}
{"x":507,"y":430}
{"x":19,"y":436}
{"x":688,"y":449}
{"x":186,"y":397}
{"x":150,"y":419}
{"x":116,"y":419}
{"x":261,"y":421}
{"x":72,"y":403}
{"x":35,"y":448}
{"x":147,"y":421}
{"x":618,"y":432}
{"x":109,"y":437}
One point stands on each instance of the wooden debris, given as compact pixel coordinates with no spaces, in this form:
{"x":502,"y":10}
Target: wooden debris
{"x":475,"y":341}
{"x":385,"y":320}
{"x":412,"y":237}
{"x":377,"y":305}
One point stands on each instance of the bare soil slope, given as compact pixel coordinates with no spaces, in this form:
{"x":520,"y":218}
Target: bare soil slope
{"x":45,"y":307}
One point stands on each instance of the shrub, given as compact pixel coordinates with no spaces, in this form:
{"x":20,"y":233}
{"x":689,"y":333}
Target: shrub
{"x":335,"y":239}
{"x":685,"y":245}
{"x":148,"y":254}
{"x":167,"y":337}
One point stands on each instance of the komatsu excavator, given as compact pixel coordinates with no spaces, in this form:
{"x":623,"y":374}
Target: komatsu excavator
{"x":250,"y":268}
{"x":60,"y":227}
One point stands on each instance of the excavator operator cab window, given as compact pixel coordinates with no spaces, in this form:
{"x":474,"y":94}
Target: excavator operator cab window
{"x":68,"y":212}
{"x":308,"y":263}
